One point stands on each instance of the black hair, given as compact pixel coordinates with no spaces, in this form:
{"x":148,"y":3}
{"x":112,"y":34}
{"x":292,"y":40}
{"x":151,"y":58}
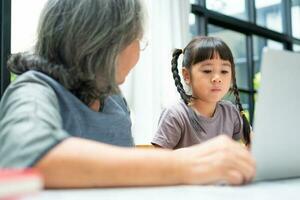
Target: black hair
{"x":202,"y":48}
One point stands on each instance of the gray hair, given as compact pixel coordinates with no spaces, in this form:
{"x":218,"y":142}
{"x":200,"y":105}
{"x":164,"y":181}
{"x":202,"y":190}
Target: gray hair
{"x":83,"y":39}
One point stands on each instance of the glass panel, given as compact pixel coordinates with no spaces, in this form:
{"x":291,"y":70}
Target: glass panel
{"x":258,"y":44}
{"x":274,"y":45}
{"x":192,"y":24}
{"x":234,"y":8}
{"x":296,"y":47}
{"x":24,"y":20}
{"x":237,"y":43}
{"x":268,"y":14}
{"x":295,"y":18}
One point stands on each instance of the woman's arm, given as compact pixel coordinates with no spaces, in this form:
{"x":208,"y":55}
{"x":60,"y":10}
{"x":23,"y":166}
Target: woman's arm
{"x":82,"y":163}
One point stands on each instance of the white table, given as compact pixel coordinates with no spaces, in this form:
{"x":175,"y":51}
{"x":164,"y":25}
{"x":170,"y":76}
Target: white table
{"x":283,"y":190}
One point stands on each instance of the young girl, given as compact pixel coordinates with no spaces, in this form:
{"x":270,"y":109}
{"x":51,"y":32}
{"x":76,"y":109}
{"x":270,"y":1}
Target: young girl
{"x":209,"y":71}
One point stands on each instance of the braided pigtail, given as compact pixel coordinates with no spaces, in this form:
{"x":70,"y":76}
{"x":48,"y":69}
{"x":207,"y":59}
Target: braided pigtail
{"x":246,"y":125}
{"x":186,"y":98}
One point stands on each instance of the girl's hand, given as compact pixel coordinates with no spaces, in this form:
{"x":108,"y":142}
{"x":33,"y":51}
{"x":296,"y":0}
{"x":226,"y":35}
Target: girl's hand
{"x":220,"y":160}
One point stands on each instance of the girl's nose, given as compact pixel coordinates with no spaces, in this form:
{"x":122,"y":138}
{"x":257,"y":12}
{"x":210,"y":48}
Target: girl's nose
{"x":216,"y":79}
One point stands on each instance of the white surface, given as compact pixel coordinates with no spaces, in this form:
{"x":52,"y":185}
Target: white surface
{"x":284,"y":189}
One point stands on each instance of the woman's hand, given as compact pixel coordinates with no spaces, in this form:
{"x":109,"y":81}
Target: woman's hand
{"x":220,"y":160}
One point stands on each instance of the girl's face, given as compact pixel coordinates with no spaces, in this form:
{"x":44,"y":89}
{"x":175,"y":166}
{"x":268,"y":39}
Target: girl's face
{"x":126,"y":60}
{"x":209,"y":80}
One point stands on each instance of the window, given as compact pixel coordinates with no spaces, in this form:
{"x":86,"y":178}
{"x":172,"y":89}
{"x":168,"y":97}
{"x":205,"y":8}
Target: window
{"x":193,"y":25}
{"x":295,"y":12}
{"x":269,"y":14}
{"x":296,"y":47}
{"x":234,"y":8}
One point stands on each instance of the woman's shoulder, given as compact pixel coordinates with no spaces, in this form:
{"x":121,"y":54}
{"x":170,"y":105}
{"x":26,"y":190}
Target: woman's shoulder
{"x":30,"y":77}
{"x":29,"y":85}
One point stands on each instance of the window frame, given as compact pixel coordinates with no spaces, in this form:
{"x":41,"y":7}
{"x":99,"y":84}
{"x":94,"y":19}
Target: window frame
{"x":5,"y":43}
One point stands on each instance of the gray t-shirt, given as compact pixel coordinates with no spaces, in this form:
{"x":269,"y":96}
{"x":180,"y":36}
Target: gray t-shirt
{"x":37,"y":113}
{"x":180,"y":126}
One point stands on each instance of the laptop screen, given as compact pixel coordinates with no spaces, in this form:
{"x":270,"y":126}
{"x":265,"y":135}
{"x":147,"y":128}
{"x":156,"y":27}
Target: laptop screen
{"x":276,"y":139}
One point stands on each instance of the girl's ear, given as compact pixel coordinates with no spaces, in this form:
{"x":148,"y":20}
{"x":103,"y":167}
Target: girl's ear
{"x":186,"y":76}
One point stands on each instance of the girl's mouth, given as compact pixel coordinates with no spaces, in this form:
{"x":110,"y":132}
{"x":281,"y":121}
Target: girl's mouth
{"x":216,"y":90}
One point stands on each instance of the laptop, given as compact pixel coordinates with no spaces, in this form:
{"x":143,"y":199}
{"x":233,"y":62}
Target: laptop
{"x":276,"y":140}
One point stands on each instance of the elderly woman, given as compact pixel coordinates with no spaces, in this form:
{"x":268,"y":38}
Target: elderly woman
{"x":66,"y":117}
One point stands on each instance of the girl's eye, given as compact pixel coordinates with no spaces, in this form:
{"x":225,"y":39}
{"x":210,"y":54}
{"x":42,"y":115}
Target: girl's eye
{"x":206,"y":71}
{"x":224,"y":72}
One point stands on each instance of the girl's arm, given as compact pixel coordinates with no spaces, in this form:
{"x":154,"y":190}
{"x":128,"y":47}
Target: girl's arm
{"x":77,"y":163}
